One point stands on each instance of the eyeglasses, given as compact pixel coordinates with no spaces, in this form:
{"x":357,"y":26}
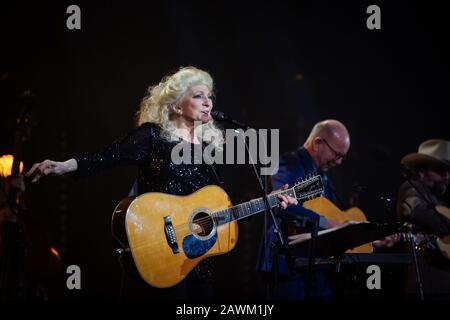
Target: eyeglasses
{"x":337,"y":155}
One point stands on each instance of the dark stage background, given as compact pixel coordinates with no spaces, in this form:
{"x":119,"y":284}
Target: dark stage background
{"x":279,"y":65}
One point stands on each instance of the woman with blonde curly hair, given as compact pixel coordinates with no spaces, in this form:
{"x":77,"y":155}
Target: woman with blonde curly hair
{"x":172,"y":112}
{"x":161,"y":106}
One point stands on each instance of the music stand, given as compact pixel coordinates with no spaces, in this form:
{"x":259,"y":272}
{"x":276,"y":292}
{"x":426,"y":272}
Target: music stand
{"x":334,"y":242}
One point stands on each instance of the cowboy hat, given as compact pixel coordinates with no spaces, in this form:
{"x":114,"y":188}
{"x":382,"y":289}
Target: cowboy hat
{"x":433,"y":151}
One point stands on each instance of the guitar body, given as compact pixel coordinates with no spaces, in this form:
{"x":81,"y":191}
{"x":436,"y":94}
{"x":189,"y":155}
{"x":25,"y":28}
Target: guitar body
{"x":329,"y":210}
{"x":169,"y":235}
{"x":444,"y":242}
{"x":444,"y":246}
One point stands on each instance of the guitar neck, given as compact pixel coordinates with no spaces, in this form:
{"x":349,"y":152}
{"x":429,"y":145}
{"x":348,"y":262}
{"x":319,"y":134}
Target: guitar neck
{"x":255,"y":206}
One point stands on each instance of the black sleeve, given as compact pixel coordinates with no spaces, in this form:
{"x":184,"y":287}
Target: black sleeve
{"x":133,"y":149}
{"x":430,"y":220}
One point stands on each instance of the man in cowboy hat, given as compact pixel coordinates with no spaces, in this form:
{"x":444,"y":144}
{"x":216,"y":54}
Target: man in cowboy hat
{"x":428,"y":172}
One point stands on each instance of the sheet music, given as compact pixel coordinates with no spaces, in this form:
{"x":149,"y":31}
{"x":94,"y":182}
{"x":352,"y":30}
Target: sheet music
{"x":302,"y":237}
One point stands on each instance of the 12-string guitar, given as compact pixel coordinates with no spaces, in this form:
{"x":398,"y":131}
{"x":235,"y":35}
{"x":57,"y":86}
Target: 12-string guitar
{"x":169,"y":235}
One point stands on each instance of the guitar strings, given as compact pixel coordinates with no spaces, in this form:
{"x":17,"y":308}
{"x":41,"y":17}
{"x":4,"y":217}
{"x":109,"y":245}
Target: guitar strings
{"x":210,"y":218}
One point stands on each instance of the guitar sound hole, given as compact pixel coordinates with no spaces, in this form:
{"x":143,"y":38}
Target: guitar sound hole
{"x":202,"y":224}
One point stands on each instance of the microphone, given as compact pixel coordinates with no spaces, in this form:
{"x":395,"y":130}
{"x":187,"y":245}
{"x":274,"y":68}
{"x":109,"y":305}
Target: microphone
{"x":220,"y":116}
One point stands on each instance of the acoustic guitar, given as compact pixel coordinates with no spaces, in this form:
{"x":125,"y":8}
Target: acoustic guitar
{"x":443,"y":243}
{"x":169,"y":235}
{"x":330,"y":211}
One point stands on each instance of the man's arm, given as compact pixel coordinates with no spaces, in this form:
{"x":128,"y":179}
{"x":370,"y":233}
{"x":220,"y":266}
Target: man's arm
{"x":414,"y":209}
{"x":286,"y":175}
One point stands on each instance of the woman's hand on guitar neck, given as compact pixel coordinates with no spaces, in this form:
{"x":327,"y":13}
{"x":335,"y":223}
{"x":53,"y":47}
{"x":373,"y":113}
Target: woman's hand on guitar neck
{"x":286,"y":201}
{"x":51,"y":168}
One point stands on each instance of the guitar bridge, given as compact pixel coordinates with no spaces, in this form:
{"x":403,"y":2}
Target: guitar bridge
{"x":170,"y":235}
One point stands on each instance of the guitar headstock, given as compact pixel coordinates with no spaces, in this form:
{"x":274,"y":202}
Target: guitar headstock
{"x":309,"y":187}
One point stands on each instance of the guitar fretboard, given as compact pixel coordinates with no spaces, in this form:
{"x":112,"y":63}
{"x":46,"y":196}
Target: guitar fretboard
{"x":249,"y":208}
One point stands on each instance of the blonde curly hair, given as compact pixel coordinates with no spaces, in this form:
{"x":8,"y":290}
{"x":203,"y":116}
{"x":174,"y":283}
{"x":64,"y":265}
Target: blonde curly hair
{"x":155,"y":106}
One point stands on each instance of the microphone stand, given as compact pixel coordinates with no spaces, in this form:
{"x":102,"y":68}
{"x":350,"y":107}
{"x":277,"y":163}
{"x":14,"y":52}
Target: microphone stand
{"x":410,"y":239}
{"x":406,"y":173}
{"x":383,"y":155}
{"x":219,"y":116}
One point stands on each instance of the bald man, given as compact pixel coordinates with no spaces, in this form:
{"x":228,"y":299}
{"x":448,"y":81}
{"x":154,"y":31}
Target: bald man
{"x":325,"y":148}
{"x":327,"y":144}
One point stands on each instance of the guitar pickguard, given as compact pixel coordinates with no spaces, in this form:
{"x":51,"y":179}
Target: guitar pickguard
{"x":194,"y":247}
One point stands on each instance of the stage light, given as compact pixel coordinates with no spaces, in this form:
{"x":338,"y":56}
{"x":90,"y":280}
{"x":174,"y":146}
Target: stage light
{"x":6,"y":162}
